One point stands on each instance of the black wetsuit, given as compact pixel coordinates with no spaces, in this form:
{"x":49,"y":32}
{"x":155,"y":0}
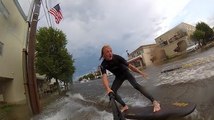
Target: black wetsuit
{"x":119,"y":67}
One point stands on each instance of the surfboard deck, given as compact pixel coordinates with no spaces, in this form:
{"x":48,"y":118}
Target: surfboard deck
{"x":170,"y":110}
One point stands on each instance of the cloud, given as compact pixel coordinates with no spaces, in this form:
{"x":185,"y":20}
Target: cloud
{"x":118,"y":21}
{"x":211,"y":21}
{"x":124,"y":24}
{"x":25,"y":5}
{"x":196,"y":11}
{"x":107,"y":22}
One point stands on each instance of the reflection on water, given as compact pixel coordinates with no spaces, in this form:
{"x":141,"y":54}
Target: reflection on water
{"x":192,"y":83}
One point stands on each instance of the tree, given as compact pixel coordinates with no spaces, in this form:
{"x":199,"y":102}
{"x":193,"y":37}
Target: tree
{"x":52,"y":57}
{"x":91,"y":76}
{"x":203,"y":33}
{"x":69,"y":69}
{"x":198,"y":36}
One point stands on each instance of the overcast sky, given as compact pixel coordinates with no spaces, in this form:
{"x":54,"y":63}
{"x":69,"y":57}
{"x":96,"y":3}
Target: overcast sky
{"x":123,"y":24}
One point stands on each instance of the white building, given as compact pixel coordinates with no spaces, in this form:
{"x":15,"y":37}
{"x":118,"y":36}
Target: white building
{"x":176,"y":38}
{"x":142,"y":56}
{"x":13,"y":34}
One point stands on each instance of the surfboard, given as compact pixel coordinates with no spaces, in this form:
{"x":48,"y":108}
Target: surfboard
{"x":170,"y":110}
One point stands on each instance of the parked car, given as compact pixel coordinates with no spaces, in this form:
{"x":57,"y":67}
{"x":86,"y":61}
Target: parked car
{"x":192,"y":48}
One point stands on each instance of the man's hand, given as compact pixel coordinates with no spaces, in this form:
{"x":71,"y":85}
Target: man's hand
{"x":106,"y":83}
{"x":144,"y":75}
{"x":109,"y":90}
{"x":133,"y":68}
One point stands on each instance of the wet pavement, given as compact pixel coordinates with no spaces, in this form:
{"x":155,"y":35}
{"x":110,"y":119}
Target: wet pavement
{"x":22,"y":111}
{"x":15,"y":112}
{"x":193,"y":81}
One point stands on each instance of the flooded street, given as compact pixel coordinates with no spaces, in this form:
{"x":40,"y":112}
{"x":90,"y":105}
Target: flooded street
{"x":193,"y":81}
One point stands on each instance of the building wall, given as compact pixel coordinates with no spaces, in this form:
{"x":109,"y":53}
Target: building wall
{"x":147,"y":55}
{"x":169,"y":40}
{"x":13,"y":37}
{"x":141,"y":57}
{"x":136,"y":58}
{"x":158,"y":55}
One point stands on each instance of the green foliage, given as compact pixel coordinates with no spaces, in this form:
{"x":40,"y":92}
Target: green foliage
{"x":89,"y":76}
{"x":198,"y":35}
{"x":203,"y":33}
{"x":205,"y":28}
{"x":6,"y":107}
{"x":85,"y":77}
{"x":52,"y":57}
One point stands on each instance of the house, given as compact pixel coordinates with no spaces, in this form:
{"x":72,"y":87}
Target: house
{"x":142,"y":56}
{"x":175,"y":41}
{"x":13,"y":35}
{"x":45,"y":86}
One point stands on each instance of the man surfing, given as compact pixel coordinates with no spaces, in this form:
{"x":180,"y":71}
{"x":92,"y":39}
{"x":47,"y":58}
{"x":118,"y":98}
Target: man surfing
{"x":120,"y":68}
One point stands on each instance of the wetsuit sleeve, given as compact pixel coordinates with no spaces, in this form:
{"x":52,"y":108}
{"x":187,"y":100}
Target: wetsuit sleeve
{"x":103,"y":70}
{"x":122,"y":60}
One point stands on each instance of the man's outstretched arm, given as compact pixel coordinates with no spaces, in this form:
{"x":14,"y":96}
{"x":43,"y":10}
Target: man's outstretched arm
{"x":106,"y":83}
{"x":134,"y":69}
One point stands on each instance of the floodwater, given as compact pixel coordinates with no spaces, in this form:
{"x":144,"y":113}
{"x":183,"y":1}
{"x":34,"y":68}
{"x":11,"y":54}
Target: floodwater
{"x":193,"y":82}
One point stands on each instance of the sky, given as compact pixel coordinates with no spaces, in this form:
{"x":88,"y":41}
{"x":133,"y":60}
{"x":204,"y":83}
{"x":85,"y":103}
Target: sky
{"x":123,"y":24}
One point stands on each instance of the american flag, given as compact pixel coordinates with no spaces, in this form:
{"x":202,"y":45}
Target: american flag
{"x":56,"y":12}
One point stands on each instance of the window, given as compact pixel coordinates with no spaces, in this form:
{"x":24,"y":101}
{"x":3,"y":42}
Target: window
{"x":138,"y":53}
{"x":163,"y":43}
{"x":3,"y":10}
{"x":137,"y":63}
{"x":1,"y":48}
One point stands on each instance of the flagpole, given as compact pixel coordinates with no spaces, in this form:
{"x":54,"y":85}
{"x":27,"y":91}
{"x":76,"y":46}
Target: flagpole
{"x":48,"y":13}
{"x":45,"y":13}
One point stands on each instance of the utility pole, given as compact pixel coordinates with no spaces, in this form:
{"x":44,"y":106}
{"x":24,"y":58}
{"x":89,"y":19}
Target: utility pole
{"x":31,"y":80}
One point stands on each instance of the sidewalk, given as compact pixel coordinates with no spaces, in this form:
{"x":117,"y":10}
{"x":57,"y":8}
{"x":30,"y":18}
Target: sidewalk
{"x":22,"y":111}
{"x":14,"y":112}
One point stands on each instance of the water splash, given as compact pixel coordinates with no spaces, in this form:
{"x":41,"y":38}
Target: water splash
{"x":73,"y":107}
{"x":194,"y":70}
{"x":195,"y":115}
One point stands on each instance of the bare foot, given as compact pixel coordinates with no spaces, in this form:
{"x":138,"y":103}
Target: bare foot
{"x":124,"y":108}
{"x":156,"y":106}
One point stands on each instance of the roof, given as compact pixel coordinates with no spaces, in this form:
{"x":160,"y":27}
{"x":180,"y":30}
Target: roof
{"x":136,"y":58}
{"x":142,"y":47}
{"x":182,"y":23}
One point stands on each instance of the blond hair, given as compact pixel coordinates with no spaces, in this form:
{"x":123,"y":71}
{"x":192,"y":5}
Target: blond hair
{"x":104,"y":47}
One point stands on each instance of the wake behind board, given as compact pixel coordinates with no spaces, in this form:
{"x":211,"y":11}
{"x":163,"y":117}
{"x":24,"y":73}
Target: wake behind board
{"x":171,"y":110}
